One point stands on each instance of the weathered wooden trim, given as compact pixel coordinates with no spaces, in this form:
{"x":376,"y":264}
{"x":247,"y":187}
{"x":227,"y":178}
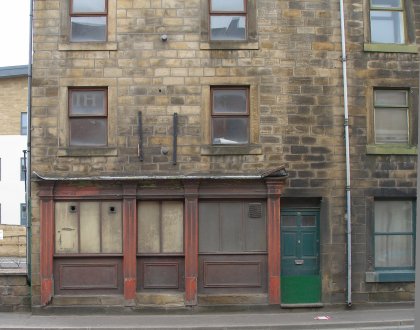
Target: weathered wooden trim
{"x":46,"y":194}
{"x":191,"y":241}
{"x":130,"y":241}
{"x":274,"y":190}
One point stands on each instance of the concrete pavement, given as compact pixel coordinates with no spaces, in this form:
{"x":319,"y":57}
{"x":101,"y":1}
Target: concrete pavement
{"x":372,"y":317}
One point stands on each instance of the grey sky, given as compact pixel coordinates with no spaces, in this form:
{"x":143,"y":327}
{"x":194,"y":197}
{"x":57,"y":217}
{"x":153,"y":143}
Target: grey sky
{"x":14,"y":32}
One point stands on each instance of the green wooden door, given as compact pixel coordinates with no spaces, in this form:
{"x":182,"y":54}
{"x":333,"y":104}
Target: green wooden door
{"x":300,"y":277}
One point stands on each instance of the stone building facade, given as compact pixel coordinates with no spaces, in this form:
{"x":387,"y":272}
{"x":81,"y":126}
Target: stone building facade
{"x":191,"y":152}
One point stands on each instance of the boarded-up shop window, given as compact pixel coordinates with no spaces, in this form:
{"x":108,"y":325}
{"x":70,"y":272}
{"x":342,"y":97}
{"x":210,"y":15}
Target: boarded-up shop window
{"x":88,"y":227}
{"x":160,"y":227}
{"x":232,"y":227}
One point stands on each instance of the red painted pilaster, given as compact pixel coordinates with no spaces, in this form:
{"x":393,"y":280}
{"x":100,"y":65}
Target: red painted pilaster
{"x":129,"y":241}
{"x":274,"y":190}
{"x":191,"y":242}
{"x":46,"y":242}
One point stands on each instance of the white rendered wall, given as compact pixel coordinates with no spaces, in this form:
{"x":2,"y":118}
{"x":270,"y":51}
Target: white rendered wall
{"x":12,"y":190}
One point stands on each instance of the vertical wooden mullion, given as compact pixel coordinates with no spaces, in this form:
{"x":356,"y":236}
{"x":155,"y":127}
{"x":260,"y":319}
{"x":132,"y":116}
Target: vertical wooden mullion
{"x":100,"y":226}
{"x":160,"y":228}
{"x":191,"y":242}
{"x":78,"y":228}
{"x":274,"y":189}
{"x":129,"y":241}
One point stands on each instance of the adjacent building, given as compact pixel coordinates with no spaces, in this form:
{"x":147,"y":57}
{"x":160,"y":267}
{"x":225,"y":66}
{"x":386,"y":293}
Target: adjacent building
{"x":193,"y":152}
{"x":13,"y":140}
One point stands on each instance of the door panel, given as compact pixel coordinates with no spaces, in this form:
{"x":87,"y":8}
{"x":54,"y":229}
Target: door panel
{"x":300,"y":277}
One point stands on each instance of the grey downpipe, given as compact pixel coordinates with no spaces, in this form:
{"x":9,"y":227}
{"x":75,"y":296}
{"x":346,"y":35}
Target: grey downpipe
{"x":28,"y":153}
{"x":347,"y":142}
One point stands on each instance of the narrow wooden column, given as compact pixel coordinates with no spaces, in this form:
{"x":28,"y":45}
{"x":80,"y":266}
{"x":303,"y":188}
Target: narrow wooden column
{"x":129,"y":241}
{"x":274,"y":190}
{"x":46,"y":194}
{"x":191,"y":242}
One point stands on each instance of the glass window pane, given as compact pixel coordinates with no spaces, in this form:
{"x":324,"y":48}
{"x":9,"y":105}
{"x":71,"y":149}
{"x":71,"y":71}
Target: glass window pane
{"x":231,"y":5}
{"x":227,"y":27}
{"x":231,"y":215}
{"x":89,"y":228}
{"x":288,"y":221}
{"x":88,"y":132}
{"x":23,"y":215}
{"x":89,"y":6}
{"x":84,"y":29}
{"x":391,"y":125}
{"x":255,"y":231}
{"x":387,"y":27}
{"x":208,"y":227}
{"x":24,"y":123}
{"x":111,"y":227}
{"x":394,"y":251}
{"x":393,"y":217}
{"x":230,"y":130}
{"x":391,"y":98}
{"x":88,"y":103}
{"x":386,"y":3}
{"x":66,"y":227}
{"x":172,"y":226}
{"x":149,"y":227}
{"x":308,"y":221}
{"x":230,"y":101}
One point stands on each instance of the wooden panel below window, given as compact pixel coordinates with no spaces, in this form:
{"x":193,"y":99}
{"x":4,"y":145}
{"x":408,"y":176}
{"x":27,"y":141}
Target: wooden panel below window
{"x":232,"y":273}
{"x":160,"y":273}
{"x":88,"y":276}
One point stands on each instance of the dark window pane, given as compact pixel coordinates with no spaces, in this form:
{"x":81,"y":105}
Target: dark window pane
{"x":308,"y":221}
{"x":87,"y":103}
{"x":231,"y":5}
{"x":289,"y":221}
{"x":230,"y":101}
{"x":23,"y":215}
{"x":230,"y":130}
{"x":89,"y":6}
{"x":22,"y":169}
{"x":88,"y":29}
{"x":227,"y":27}
{"x":88,"y":132}
{"x":387,"y":27}
{"x":391,"y":125}
{"x":386,"y":3}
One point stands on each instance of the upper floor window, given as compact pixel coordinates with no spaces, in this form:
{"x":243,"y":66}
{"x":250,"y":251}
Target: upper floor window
{"x":391,"y":116}
{"x":230,"y":115}
{"x":88,"y":20}
{"x":88,"y":117}
{"x":394,"y":234}
{"x":22,"y":169}
{"x":23,"y":123}
{"x":23,"y":215}
{"x":387,"y":21}
{"x":228,"y":20}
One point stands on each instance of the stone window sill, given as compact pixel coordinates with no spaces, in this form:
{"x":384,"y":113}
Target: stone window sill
{"x":390,"y":149}
{"x":228,"y":45}
{"x":87,"y":152}
{"x":220,"y":150}
{"x":390,"y":48}
{"x":88,"y":46}
{"x":390,"y":276}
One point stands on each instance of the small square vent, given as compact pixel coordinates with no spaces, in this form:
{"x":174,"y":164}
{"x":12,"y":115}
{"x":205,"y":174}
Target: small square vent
{"x":254,"y":210}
